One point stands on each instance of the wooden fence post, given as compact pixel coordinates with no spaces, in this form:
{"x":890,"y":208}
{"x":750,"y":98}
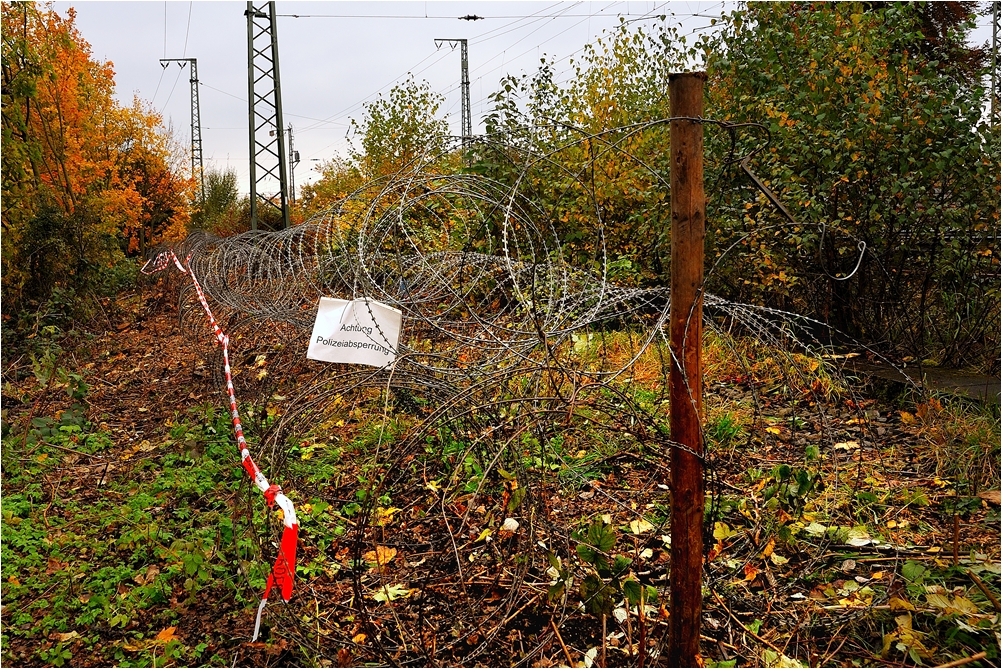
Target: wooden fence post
{"x":688,"y":218}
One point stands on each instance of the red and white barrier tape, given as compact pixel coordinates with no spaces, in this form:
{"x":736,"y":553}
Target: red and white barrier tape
{"x":284,"y":569}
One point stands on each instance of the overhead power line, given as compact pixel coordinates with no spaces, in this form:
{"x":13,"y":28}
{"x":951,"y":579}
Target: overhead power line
{"x":461,"y":18}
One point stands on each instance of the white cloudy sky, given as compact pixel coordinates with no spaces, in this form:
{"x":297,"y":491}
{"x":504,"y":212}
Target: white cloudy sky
{"x":339,"y":55}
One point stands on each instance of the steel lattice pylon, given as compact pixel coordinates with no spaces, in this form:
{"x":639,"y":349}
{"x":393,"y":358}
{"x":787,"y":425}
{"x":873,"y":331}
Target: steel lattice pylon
{"x":197,"y":171}
{"x":995,"y":60}
{"x":268,"y":174}
{"x":467,"y":129}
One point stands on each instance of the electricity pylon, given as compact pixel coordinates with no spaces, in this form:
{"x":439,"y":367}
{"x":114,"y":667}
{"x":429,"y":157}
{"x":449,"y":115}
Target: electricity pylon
{"x":196,"y":122}
{"x":995,"y":59}
{"x":467,"y":132}
{"x":293,"y":161}
{"x":268,"y":176}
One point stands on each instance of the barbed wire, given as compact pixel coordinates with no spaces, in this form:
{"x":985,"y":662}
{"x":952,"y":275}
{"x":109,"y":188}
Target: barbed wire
{"x":528,"y":386}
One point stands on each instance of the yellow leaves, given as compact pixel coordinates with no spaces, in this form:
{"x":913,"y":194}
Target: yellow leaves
{"x":951,"y":605}
{"x":384,"y":516}
{"x":382,"y":556}
{"x":389,"y":593}
{"x":905,"y":639}
{"x":640,"y":526}
{"x":162,"y":638}
{"x":722,"y":531}
{"x":899,"y":604}
{"x":769,"y":548}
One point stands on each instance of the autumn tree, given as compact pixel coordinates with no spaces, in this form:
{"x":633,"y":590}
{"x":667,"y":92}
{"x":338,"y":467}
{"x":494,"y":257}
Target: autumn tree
{"x":339,"y":178}
{"x":86,"y":181}
{"x":607,"y":155}
{"x":399,"y":129}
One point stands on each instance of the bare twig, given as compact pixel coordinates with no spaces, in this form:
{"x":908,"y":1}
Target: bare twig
{"x":605,"y":639}
{"x":745,"y":629}
{"x":560,"y":640}
{"x":992,"y":597}
{"x":962,"y":661}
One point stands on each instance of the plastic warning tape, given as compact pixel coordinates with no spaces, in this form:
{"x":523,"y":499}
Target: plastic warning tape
{"x":284,"y":569}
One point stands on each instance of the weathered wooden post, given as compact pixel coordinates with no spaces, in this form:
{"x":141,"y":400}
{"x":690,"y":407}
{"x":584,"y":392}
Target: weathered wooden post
{"x":688,"y":218}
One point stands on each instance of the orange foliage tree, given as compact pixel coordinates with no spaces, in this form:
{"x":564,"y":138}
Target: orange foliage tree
{"x":87,"y":182}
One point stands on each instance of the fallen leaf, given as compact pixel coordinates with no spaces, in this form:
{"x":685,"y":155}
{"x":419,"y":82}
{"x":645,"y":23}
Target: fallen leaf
{"x":722,"y":531}
{"x":816,"y":529}
{"x":166,"y":635}
{"x":898,"y":604}
{"x":384,"y":516}
{"x":993,"y":496}
{"x":769,"y":547}
{"x":950,"y":605}
{"x":391,"y":593}
{"x":640,"y":526}
{"x":509,"y":527}
{"x":383,"y":555}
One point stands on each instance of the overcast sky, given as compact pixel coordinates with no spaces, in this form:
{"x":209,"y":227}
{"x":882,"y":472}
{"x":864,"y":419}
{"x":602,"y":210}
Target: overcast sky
{"x":338,"y":55}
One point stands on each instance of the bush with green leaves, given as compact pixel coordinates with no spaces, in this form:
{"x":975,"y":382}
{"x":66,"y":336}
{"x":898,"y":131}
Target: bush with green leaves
{"x":875,"y":134}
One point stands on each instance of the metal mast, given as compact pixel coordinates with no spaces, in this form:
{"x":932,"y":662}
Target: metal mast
{"x":467,"y":131}
{"x":995,"y":59}
{"x":196,"y":122}
{"x":293,"y":161}
{"x":268,"y":176}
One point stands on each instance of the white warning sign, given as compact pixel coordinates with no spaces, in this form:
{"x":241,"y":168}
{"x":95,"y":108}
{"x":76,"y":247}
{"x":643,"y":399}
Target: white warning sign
{"x":361,"y":331}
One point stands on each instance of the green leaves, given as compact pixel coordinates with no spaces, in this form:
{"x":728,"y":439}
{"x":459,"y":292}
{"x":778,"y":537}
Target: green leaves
{"x":637,"y":594}
{"x":868,"y":124}
{"x":596,"y":544}
{"x":597,"y":595}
